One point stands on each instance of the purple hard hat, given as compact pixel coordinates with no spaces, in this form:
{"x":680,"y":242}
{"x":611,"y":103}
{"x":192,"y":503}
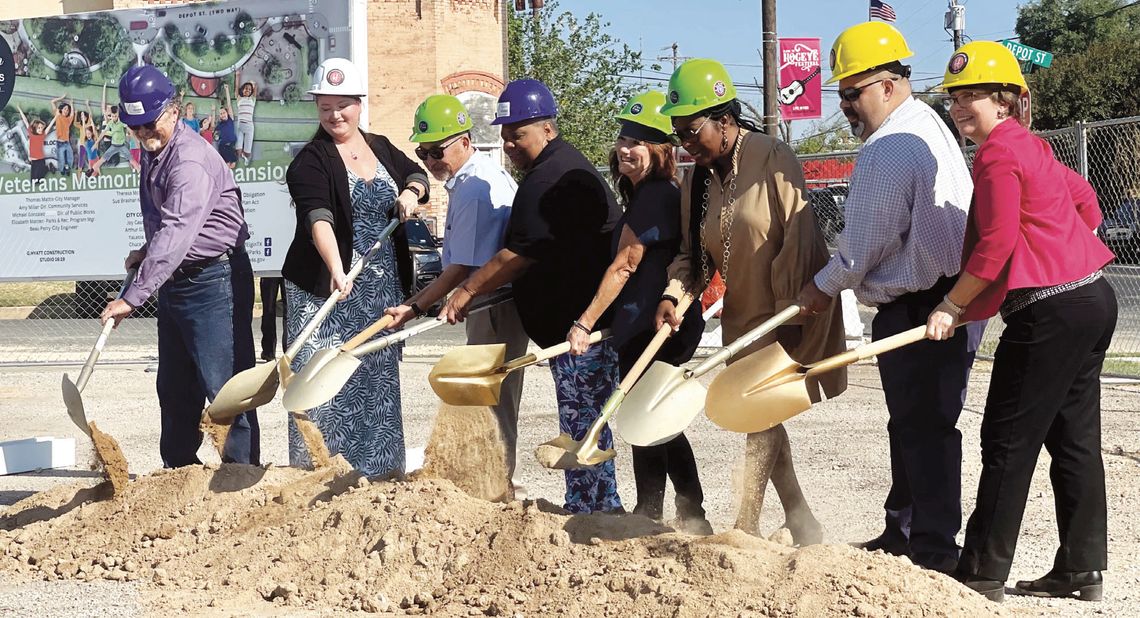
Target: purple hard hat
{"x":525,"y":99}
{"x":144,"y":92}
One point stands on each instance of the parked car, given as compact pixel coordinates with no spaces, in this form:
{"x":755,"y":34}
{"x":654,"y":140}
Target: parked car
{"x":427,"y":261}
{"x":1121,"y":231}
{"x":827,"y":202}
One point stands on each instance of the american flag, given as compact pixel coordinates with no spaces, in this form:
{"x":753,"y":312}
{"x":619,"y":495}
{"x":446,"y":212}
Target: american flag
{"x":883,"y":11}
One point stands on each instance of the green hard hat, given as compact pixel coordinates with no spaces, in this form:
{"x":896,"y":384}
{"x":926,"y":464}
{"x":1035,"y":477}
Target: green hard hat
{"x":439,"y":117}
{"x":697,"y":85}
{"x":645,"y":109}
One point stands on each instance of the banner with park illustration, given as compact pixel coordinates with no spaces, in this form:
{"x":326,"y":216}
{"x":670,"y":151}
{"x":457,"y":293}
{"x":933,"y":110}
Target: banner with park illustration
{"x":69,"y":206}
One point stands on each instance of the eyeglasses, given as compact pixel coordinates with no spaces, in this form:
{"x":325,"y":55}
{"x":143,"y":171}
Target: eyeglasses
{"x":852,"y":94}
{"x":688,"y":135}
{"x":965,"y":97}
{"x":435,"y":152}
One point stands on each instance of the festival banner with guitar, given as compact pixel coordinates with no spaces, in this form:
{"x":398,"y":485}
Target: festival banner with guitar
{"x":800,"y":92}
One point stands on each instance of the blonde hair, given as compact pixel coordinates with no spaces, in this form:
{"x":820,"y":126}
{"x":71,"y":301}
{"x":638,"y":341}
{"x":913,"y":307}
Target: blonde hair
{"x":1008,"y":99}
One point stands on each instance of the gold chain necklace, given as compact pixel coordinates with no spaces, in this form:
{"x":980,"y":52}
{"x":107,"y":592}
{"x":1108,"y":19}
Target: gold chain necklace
{"x":727,"y":215}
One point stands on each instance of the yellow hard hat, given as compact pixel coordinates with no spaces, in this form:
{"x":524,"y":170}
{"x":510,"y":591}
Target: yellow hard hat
{"x":865,"y":46}
{"x":983,"y":62}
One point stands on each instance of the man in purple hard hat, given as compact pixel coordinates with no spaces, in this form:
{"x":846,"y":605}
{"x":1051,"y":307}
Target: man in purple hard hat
{"x":556,"y":251}
{"x":194,"y":255}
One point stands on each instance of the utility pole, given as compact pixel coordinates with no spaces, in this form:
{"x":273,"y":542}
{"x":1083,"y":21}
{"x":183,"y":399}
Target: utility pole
{"x":956,"y":22}
{"x":674,"y":58}
{"x":771,"y":79}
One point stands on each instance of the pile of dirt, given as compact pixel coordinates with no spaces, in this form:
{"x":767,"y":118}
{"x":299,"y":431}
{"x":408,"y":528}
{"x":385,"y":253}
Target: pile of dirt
{"x":254,"y":540}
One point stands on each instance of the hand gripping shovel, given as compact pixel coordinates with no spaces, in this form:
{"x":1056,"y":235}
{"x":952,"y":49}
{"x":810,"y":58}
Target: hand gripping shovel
{"x":473,"y":375}
{"x":668,"y":398}
{"x":768,"y":387}
{"x":566,"y":453}
{"x":71,"y":391}
{"x":326,"y":374}
{"x":256,"y":386}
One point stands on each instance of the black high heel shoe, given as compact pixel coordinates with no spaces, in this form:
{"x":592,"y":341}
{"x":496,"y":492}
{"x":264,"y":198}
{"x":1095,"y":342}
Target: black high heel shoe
{"x":991,"y":589}
{"x":1086,"y":585}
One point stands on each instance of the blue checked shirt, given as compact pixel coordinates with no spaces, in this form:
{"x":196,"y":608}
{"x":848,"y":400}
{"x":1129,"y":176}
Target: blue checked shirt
{"x":906,"y":211}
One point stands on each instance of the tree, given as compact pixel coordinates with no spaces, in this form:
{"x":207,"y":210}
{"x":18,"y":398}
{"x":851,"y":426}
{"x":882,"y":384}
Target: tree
{"x":1096,"y":71}
{"x":57,"y":35}
{"x":582,"y":65}
{"x":200,"y":46}
{"x":243,"y":24}
{"x":244,"y":43}
{"x":273,"y":72}
{"x":291,"y":93}
{"x":826,"y":136}
{"x":223,"y":44}
{"x":99,"y":39}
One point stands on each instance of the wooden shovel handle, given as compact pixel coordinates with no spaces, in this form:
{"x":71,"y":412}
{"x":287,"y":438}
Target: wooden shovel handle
{"x":863,"y":352}
{"x":367,"y":333}
{"x":93,"y":356}
{"x":331,"y":301}
{"x":651,"y":350}
{"x":564,"y":347}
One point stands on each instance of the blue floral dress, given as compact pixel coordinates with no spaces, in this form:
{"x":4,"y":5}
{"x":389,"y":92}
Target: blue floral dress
{"x":363,"y":422}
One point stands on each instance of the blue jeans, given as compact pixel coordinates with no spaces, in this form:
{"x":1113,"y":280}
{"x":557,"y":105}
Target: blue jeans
{"x":205,"y":336}
{"x":65,"y":156}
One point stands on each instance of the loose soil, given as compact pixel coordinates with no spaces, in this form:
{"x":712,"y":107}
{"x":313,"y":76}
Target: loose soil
{"x":108,"y":453}
{"x":466,"y":448}
{"x":220,"y":540}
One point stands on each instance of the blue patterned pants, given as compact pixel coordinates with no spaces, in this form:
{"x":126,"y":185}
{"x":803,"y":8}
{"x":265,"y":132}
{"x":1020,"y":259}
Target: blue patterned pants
{"x":582,"y":384}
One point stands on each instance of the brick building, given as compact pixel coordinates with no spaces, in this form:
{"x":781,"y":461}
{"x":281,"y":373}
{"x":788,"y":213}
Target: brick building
{"x":415,"y":48}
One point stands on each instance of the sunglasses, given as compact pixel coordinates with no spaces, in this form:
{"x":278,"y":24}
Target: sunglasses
{"x":435,"y":152}
{"x":688,"y":135}
{"x":852,"y":94}
{"x":149,"y":126}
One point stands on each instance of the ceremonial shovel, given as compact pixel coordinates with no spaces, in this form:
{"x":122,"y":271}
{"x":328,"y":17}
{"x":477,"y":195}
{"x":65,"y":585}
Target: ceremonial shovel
{"x":473,"y":375}
{"x":256,"y":386}
{"x":328,"y":371}
{"x":566,"y":453}
{"x":71,"y":391}
{"x":768,"y":387}
{"x":668,"y":398}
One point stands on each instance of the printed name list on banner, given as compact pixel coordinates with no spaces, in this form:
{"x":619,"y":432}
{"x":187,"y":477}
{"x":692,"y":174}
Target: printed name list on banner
{"x":69,"y":185}
{"x":800,"y":84}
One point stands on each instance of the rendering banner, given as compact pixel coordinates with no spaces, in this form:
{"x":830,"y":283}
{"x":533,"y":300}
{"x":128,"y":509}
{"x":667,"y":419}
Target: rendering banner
{"x":69,"y":199}
{"x":800,"y":91}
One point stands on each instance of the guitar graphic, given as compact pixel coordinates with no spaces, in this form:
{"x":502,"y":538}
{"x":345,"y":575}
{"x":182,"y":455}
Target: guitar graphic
{"x":792,"y":92}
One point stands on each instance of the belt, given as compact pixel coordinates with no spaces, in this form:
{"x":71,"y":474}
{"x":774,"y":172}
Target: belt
{"x":189,"y":269}
{"x":1016,"y":300}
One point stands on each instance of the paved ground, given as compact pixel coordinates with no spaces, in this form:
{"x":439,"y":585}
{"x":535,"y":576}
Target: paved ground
{"x":840,"y":450}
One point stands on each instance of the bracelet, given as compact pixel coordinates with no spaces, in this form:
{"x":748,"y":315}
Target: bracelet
{"x":671,"y":298}
{"x":953,"y":307}
{"x":580,"y":325}
{"x":416,"y":309}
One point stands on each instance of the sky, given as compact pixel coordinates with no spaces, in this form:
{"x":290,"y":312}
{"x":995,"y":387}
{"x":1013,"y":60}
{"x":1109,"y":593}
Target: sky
{"x":729,"y":31}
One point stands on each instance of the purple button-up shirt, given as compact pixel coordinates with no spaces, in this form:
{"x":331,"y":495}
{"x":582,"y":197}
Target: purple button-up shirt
{"x":191,"y":210}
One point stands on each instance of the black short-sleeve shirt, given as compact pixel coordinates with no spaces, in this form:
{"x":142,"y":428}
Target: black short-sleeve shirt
{"x":562,"y":218}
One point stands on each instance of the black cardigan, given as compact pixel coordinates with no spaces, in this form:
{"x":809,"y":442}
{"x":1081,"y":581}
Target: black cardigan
{"x":318,"y":179}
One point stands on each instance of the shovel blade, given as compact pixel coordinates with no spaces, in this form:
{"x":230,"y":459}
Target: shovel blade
{"x":566,"y":453}
{"x":659,"y":407}
{"x":323,"y":377}
{"x":74,"y":402}
{"x":247,"y":390}
{"x":758,"y":392}
{"x":467,"y":376}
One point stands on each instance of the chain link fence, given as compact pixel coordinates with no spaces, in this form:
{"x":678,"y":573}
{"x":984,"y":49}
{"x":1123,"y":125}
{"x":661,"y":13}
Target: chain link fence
{"x":52,"y":322}
{"x":1107,"y":153}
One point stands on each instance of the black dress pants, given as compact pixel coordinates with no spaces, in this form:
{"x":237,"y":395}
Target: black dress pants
{"x":925,"y":388}
{"x":673,"y":459}
{"x":1045,"y":390}
{"x":270,"y":287}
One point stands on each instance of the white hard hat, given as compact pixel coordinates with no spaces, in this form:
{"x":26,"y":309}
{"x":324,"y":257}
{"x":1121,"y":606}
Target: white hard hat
{"x":339,"y":77}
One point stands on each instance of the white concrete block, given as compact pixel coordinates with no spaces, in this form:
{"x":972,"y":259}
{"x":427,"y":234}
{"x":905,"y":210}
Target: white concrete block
{"x":36,"y":454}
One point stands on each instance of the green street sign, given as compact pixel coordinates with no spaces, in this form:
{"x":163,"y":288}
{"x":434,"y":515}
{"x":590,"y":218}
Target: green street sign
{"x":1028,"y":54}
